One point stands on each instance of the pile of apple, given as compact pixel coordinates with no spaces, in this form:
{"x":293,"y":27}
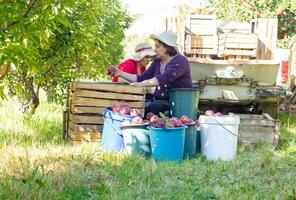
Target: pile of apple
{"x":125,"y":110}
{"x":166,"y":122}
{"x":211,"y":113}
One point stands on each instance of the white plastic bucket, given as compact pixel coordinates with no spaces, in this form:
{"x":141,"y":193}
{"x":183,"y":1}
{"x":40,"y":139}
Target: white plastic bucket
{"x":219,"y":136}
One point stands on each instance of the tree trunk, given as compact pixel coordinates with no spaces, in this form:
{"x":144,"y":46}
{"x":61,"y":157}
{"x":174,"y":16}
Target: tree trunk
{"x":31,"y":101}
{"x":5,"y":69}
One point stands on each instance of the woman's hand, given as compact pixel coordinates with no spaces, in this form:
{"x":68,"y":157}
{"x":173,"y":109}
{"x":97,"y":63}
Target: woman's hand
{"x":113,"y":71}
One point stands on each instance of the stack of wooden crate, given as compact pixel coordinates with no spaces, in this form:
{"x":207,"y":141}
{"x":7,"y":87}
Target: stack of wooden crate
{"x":259,"y":128}
{"x":237,"y":45}
{"x":86,"y":102}
{"x":200,"y":37}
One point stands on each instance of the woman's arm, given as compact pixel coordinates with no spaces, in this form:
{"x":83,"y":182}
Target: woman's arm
{"x":113,"y":71}
{"x":147,"y":83}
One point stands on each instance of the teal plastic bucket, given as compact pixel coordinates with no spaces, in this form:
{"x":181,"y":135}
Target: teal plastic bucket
{"x":184,"y":101}
{"x":112,"y":139}
{"x":136,"y":139}
{"x":190,"y":141}
{"x":167,"y":144}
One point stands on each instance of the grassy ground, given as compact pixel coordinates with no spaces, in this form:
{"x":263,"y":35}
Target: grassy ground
{"x":35,"y":163}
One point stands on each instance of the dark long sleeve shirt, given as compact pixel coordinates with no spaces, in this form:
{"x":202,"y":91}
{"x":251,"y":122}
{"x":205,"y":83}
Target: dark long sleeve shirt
{"x":176,"y":75}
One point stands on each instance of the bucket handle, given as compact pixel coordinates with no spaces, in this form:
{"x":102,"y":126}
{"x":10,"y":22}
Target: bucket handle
{"x":118,"y":133}
{"x":236,"y":135}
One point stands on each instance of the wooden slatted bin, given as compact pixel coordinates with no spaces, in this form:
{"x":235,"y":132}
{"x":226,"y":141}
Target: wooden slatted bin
{"x":237,"y":45}
{"x":201,"y":38}
{"x":87,"y":102}
{"x":259,"y":128}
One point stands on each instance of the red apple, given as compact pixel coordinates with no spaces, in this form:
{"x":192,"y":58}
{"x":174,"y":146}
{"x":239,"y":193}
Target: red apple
{"x":137,"y":120}
{"x":190,"y":122}
{"x":125,"y":110}
{"x":135,"y":112}
{"x":161,"y":122}
{"x":209,"y":113}
{"x":146,"y":121}
{"x":154,"y":118}
{"x":184,"y":118}
{"x":116,"y":109}
{"x":178,"y":123}
{"x":218,"y":114}
{"x":149,"y":115}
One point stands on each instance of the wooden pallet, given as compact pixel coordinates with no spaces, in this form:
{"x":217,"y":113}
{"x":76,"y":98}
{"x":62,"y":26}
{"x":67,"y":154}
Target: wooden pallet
{"x":256,"y":128}
{"x":237,"y":44}
{"x":86,"y":102}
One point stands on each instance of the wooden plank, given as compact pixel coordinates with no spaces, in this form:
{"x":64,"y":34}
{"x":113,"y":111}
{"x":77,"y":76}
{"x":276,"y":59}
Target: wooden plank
{"x":87,"y":110}
{"x":203,"y":41}
{"x":81,"y":101}
{"x":119,"y":88}
{"x":251,"y":36}
{"x":92,"y":110}
{"x":257,"y":129}
{"x":257,"y":136}
{"x":240,"y":45}
{"x":203,"y":22}
{"x":202,"y":51}
{"x":108,"y":95}
{"x":239,"y":52}
{"x":203,"y":31}
{"x":237,"y":40}
{"x":93,"y":128}
{"x":205,"y":17}
{"x":84,"y":136}
{"x":86,"y":119}
{"x":65,"y":125}
{"x":262,"y":122}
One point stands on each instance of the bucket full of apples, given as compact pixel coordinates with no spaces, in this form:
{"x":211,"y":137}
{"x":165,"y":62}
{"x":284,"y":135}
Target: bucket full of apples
{"x":167,"y":137}
{"x":112,"y":139}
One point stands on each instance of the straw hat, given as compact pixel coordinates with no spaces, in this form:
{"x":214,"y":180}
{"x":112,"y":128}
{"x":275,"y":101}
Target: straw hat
{"x":142,"y":50}
{"x":166,"y":37}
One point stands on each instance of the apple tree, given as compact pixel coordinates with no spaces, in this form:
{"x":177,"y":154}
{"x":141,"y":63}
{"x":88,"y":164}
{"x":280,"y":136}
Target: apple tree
{"x":47,"y":43}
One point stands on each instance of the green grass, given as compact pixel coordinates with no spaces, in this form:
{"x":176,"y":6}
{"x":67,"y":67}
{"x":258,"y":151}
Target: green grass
{"x":35,"y":163}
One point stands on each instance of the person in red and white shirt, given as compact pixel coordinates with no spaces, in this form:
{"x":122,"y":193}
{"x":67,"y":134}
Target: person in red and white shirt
{"x":138,"y":62}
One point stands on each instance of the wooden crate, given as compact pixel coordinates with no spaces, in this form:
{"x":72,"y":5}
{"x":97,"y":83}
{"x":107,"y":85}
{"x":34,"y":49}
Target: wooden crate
{"x":201,"y":45}
{"x":237,"y":44}
{"x":256,"y":128}
{"x":203,"y":24}
{"x":200,"y":36}
{"x":87,"y":102}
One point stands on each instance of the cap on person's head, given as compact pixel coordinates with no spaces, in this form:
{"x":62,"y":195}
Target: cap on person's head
{"x":167,"y":37}
{"x":142,"y":49}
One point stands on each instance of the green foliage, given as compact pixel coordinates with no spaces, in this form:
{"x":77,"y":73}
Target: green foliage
{"x":241,"y":10}
{"x":51,"y":42}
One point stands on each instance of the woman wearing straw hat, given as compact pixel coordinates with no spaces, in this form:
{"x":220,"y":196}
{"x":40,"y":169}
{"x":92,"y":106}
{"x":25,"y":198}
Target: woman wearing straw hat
{"x":138,"y":62}
{"x":169,"y":70}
